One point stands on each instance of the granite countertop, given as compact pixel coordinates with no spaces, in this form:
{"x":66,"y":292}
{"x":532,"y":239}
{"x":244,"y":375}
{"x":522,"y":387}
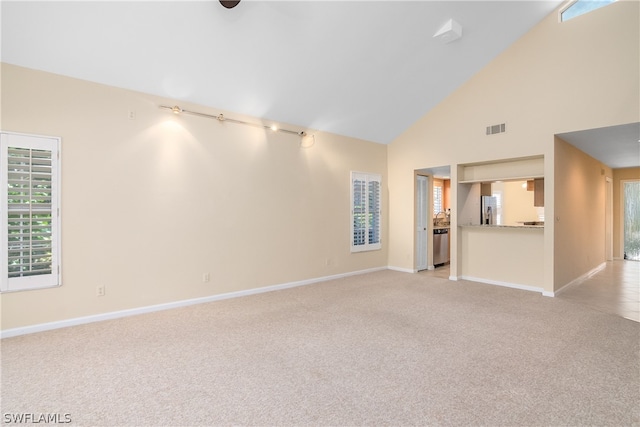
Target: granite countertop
{"x":540,"y":227}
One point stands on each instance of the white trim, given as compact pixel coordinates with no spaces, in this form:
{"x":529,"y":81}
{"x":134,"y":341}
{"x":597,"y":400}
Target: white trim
{"x":577,"y":280}
{"x":8,"y":333}
{"x":402,"y":269}
{"x":566,"y":6}
{"x":453,"y":278}
{"x":505,"y":284}
{"x":38,"y":142}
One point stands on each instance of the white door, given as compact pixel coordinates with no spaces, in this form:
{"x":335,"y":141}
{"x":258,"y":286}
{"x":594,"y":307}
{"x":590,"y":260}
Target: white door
{"x":421,"y":222}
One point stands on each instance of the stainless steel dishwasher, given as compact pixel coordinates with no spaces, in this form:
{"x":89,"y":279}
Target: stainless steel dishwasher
{"x":440,"y":246}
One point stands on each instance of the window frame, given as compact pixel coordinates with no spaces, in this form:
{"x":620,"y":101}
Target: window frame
{"x":31,"y":142}
{"x":367,"y":177}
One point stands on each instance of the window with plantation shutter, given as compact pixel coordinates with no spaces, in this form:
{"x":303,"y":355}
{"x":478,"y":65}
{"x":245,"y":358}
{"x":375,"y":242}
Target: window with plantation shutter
{"x":366,"y":210}
{"x":437,"y":199}
{"x":29,"y":212}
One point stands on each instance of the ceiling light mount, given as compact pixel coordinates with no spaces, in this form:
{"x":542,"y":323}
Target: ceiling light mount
{"x":229,"y":4}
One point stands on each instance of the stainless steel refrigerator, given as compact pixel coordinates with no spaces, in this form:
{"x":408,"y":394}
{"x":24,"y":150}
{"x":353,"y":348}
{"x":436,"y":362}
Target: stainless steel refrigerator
{"x":488,"y":210}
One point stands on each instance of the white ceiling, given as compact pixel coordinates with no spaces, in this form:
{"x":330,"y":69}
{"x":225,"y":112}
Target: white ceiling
{"x":366,"y":69}
{"x":615,"y":146}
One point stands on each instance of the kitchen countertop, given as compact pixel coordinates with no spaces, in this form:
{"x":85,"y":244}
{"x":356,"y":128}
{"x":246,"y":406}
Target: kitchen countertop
{"x":540,"y":227}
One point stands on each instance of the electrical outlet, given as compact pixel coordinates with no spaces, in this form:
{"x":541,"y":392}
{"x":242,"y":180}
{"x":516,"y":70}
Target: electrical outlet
{"x":131,"y":115}
{"x":206,"y":277}
{"x":100,"y":290}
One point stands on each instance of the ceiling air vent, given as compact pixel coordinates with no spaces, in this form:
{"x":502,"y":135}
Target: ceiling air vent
{"x":492,"y":130}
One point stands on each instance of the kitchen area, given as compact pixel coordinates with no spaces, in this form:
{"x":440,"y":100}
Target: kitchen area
{"x":497,"y":210}
{"x":500,"y":223}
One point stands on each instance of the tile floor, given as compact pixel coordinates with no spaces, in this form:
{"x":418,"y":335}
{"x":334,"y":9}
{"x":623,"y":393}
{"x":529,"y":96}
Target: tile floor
{"x":441,"y":272}
{"x":615,"y":289}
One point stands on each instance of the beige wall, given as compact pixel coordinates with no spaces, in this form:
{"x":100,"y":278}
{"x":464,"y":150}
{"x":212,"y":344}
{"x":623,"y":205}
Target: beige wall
{"x":559,"y":77}
{"x":618,"y":176}
{"x":579,"y":214}
{"x":488,"y":254}
{"x":149,"y":205}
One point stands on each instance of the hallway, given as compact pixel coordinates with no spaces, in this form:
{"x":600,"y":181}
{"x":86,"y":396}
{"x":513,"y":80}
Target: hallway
{"x":614,"y":289}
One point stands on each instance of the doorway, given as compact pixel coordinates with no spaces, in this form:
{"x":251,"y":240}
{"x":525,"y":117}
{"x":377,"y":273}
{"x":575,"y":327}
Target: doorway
{"x":432,"y":203}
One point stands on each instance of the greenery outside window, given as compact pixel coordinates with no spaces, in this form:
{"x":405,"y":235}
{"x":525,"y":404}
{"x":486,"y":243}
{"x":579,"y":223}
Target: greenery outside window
{"x":29,"y":212}
{"x":366,"y":211}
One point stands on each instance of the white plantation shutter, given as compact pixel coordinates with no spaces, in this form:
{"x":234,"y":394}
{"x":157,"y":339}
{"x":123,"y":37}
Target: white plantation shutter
{"x":437,"y":200}
{"x":366,"y":210}
{"x":29,"y":212}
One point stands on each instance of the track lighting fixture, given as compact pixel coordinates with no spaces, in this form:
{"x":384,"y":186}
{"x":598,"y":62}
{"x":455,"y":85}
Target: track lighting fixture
{"x":221,"y":118}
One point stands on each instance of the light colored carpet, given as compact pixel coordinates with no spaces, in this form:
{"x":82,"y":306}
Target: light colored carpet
{"x":385,"y":348}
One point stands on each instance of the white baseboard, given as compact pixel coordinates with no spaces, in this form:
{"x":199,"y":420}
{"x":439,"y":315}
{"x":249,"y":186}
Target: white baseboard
{"x":578,"y":280}
{"x":8,"y":333}
{"x":505,"y":284}
{"x":402,"y":270}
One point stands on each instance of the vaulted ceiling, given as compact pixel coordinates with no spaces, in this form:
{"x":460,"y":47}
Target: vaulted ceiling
{"x":365,"y":69}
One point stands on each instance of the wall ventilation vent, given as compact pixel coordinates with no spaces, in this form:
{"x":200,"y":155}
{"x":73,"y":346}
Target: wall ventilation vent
{"x":492,"y":130}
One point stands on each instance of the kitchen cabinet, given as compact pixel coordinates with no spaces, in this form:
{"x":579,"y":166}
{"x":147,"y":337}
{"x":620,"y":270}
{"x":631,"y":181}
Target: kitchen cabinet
{"x":538,"y":192}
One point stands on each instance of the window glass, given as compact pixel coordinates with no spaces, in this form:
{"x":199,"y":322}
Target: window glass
{"x":580,"y":7}
{"x":632,"y":220}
